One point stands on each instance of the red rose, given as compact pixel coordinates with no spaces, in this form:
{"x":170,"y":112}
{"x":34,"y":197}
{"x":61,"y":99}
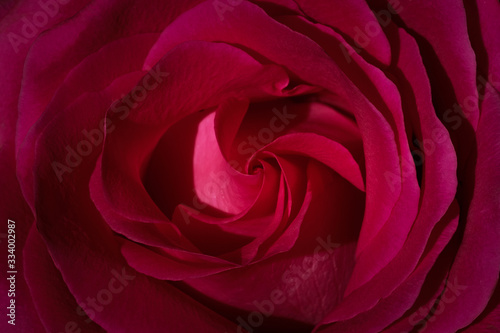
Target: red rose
{"x":250,"y":166}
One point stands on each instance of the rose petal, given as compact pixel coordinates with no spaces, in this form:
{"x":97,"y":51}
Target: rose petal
{"x":81,"y":79}
{"x":56,"y":305}
{"x":323,"y":150}
{"x":354,"y":19}
{"x":440,"y":36}
{"x":392,"y":307}
{"x":55,"y":53}
{"x":478,"y":258}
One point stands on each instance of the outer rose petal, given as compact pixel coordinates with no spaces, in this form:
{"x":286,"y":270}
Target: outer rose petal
{"x":478,"y":259}
{"x":53,"y":300}
{"x":392,"y":307}
{"x":60,"y":50}
{"x":489,"y":319}
{"x":81,"y":79}
{"x":55,"y":53}
{"x":446,"y":34}
{"x":13,"y":205}
{"x":353,"y":18}
{"x":489,"y":12}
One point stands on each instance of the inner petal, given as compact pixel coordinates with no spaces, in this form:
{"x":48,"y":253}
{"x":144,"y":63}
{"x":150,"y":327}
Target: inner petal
{"x":187,"y":168}
{"x":216,"y":182}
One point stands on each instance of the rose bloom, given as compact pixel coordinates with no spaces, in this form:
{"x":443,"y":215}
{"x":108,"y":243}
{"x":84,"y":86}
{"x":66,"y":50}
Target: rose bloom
{"x":250,"y":166}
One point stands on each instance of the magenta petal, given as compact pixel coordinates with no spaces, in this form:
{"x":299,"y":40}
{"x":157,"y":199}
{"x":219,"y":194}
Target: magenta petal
{"x":490,"y":318}
{"x":325,"y":121}
{"x":282,"y":234}
{"x":478,"y":258}
{"x":216,"y":183}
{"x":392,"y":307}
{"x":55,"y":304}
{"x":172,"y":265}
{"x":446,"y":34}
{"x":322,"y":149}
{"x":355,"y":19}
{"x":55,"y":53}
{"x":80,"y":80}
{"x":240,"y":234}
{"x":228,"y":118}
{"x":153,"y":233}
{"x":488,"y":12}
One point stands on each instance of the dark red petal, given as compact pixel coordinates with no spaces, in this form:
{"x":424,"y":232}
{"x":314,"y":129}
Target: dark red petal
{"x":56,"y":305}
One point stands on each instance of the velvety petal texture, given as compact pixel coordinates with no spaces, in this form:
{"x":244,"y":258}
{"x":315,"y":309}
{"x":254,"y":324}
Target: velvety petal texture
{"x":250,"y":166}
